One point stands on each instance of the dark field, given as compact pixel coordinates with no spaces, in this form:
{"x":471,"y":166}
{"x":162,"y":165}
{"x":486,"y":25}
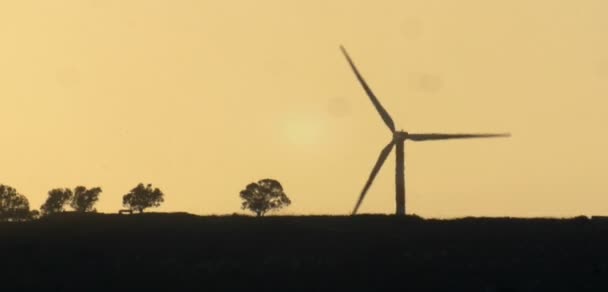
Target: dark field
{"x":181,"y":252}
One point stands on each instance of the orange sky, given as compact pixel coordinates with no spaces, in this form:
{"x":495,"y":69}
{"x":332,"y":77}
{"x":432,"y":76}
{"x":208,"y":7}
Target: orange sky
{"x":200,"y":98}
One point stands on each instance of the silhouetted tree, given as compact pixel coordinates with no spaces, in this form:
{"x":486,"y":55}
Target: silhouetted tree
{"x":13,"y":206}
{"x":264,"y":196}
{"x":84,"y":199}
{"x":34,"y":214}
{"x":142,"y":197}
{"x":56,"y":200}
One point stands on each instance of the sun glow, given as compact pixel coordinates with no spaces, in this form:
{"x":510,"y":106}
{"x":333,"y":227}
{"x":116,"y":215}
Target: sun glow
{"x":303,"y":130}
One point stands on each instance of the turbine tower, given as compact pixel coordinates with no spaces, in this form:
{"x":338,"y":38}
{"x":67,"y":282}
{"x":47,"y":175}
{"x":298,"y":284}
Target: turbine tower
{"x":399,"y":138}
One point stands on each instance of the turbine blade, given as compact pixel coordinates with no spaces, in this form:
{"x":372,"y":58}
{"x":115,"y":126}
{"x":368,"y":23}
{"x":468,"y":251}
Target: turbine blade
{"x":383,"y":155}
{"x":383,"y":113}
{"x":438,"y":136}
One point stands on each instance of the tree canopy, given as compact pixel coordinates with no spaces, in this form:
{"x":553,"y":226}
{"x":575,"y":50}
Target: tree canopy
{"x":263,"y":196}
{"x":56,"y":201}
{"x":84,"y":199}
{"x":142,"y":197}
{"x":13,"y":206}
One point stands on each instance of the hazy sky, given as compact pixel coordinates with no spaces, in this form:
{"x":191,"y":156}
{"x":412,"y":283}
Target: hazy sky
{"x":201,"y":98}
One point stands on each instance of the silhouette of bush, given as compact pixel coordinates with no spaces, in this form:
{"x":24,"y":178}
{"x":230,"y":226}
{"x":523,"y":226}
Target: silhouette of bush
{"x":263,"y":196}
{"x":56,"y":201}
{"x":84,"y":199}
{"x":142,"y":197}
{"x":13,"y":206}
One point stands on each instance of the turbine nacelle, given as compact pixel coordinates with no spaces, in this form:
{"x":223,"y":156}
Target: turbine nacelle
{"x":399,"y":136}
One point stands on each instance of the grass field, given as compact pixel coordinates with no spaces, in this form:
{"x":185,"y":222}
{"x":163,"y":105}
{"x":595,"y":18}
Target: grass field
{"x":182,"y":252}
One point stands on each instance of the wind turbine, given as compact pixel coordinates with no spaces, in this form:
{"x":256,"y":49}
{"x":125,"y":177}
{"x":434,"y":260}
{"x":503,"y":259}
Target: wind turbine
{"x":399,"y":138}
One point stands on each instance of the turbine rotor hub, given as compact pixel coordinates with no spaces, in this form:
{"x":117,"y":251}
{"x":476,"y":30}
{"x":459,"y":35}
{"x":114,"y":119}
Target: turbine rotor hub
{"x":399,"y":136}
